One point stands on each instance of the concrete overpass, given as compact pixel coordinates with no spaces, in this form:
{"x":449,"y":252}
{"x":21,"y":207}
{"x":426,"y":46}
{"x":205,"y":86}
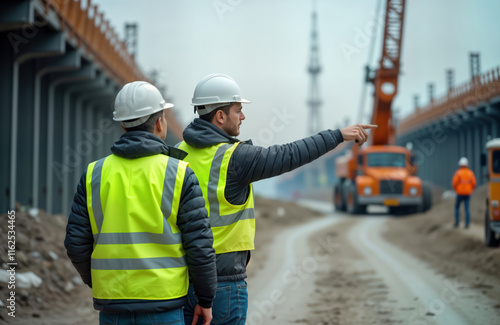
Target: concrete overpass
{"x":62,"y":65}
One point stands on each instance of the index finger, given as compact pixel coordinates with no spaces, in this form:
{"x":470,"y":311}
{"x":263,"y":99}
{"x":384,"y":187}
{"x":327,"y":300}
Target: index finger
{"x":369,"y":126}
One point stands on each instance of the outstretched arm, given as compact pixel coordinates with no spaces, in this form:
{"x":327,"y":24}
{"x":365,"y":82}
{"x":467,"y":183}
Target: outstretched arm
{"x":253,"y":163}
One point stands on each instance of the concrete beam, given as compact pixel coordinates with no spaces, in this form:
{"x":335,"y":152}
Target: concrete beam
{"x":16,"y":14}
{"x":44,"y":43}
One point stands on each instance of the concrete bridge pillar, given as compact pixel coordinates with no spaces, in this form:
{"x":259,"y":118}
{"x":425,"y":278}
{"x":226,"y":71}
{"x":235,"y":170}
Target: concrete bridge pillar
{"x":45,"y":44}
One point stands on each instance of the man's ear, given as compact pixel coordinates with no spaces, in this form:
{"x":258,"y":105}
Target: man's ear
{"x":158,"y":125}
{"x":219,"y":116}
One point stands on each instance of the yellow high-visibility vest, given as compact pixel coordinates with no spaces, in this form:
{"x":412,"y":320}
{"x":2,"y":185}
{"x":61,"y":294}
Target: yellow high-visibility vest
{"x":233,"y":226}
{"x":133,"y":206}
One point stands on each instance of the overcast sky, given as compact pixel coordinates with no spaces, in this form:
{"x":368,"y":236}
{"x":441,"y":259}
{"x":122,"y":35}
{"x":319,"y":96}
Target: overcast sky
{"x":264,"y":45}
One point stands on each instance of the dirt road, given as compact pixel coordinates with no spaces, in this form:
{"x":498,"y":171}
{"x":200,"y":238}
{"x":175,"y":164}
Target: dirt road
{"x":343,"y":270}
{"x":288,"y":274}
{"x":314,"y":266}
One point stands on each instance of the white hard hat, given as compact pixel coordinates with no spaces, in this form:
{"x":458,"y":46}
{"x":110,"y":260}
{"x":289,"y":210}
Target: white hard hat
{"x":463,"y":162}
{"x":138,"y":100}
{"x":214,"y":91}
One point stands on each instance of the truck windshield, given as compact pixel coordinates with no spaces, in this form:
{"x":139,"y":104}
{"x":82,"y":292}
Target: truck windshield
{"x":385,"y":159}
{"x":496,"y":161}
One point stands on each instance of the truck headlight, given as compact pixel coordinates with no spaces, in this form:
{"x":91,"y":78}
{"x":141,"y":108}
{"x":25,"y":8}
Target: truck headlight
{"x":413,"y":190}
{"x":494,"y":203}
{"x":367,"y":190}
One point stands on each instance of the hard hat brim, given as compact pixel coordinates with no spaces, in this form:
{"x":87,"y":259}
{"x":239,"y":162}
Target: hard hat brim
{"x":245,"y":101}
{"x":126,"y":118}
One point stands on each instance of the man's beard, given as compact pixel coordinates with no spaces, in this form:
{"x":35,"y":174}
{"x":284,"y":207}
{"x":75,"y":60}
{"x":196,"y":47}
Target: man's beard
{"x":233,"y":131}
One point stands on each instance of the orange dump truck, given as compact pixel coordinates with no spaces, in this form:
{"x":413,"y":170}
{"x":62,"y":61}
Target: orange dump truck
{"x":379,"y":175}
{"x":492,"y":215}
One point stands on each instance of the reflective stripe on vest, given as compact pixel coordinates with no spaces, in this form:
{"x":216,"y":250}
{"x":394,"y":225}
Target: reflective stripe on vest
{"x":233,"y":226}
{"x":133,"y":206}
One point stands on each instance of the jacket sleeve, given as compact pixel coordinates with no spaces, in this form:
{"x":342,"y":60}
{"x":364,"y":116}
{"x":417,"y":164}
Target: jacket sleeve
{"x":473,"y":180}
{"x":197,"y":240}
{"x":455,"y":180}
{"x":79,"y":240}
{"x":252,"y":163}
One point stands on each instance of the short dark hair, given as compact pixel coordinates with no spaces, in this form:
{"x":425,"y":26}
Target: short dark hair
{"x":149,"y":125}
{"x":210,"y":116}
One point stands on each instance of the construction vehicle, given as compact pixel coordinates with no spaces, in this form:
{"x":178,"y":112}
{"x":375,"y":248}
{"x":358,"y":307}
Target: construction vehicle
{"x":492,"y":214}
{"x":382,"y":173}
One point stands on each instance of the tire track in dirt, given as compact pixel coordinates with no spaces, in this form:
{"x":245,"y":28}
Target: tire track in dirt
{"x":277,"y":292}
{"x":440,"y":300}
{"x":339,"y":270}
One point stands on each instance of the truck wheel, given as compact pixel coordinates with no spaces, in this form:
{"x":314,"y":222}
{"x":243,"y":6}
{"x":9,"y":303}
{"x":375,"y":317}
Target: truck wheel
{"x":338,"y":198}
{"x":353,"y":207}
{"x":490,"y":238}
{"x":426,"y":198}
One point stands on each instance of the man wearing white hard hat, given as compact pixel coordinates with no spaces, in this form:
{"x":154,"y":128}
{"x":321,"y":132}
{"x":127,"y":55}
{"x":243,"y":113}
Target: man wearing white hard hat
{"x":463,"y":183}
{"x":226,"y":168}
{"x":138,"y":228}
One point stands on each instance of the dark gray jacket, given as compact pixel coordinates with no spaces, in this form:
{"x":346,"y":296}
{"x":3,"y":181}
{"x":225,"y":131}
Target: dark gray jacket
{"x":251,"y":163}
{"x":192,"y":220}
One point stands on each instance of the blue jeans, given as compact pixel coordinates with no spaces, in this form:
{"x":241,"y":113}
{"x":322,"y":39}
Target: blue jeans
{"x":465,"y":199}
{"x":171,"y":317}
{"x":230,"y":304}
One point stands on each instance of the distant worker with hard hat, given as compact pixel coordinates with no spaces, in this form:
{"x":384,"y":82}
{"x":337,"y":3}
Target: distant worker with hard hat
{"x":463,"y":183}
{"x":138,"y":228}
{"x":226,"y":168}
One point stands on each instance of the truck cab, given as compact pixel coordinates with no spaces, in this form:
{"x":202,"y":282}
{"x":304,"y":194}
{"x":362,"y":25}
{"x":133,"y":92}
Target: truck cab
{"x":380,"y":175}
{"x":492,"y":214}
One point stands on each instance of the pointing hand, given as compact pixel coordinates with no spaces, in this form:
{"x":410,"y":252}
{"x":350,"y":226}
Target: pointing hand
{"x":357,"y":133}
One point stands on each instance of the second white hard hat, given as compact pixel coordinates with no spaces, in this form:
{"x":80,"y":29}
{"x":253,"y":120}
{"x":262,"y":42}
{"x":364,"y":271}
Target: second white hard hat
{"x":137,"y":101}
{"x":214,"y":91}
{"x":463,"y":162}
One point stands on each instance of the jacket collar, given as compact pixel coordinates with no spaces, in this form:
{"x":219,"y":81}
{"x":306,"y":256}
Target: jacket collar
{"x":203,"y":134}
{"x":136,"y":144}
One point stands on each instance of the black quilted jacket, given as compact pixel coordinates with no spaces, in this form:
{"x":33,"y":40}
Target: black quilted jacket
{"x":251,"y":163}
{"x":192,"y":221}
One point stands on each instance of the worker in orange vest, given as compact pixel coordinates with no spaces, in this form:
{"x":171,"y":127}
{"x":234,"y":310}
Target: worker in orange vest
{"x":463,"y":183}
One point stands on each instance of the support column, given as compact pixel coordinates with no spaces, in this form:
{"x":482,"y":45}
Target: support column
{"x":71,"y":161}
{"x":484,"y":127}
{"x":44,"y":45}
{"x":66,"y":62}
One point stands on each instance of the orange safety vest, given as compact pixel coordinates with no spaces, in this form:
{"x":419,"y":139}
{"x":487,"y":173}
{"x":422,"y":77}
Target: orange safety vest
{"x":464,"y":181}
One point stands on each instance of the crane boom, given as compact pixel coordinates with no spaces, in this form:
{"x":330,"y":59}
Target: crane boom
{"x":386,"y":77}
